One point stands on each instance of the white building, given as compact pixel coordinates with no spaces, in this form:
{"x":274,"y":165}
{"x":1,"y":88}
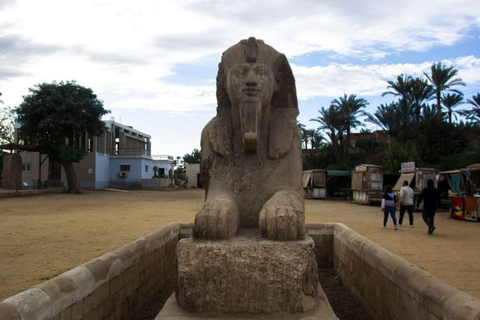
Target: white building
{"x":120,"y":158}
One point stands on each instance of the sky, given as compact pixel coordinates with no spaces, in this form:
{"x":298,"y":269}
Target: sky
{"x":153,"y":63}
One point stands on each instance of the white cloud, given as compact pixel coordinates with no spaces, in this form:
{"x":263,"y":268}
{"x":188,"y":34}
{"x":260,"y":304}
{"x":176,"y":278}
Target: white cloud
{"x":336,"y":79}
{"x":128,"y":52}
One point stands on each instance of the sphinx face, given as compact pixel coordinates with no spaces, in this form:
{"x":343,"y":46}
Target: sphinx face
{"x":250,"y":87}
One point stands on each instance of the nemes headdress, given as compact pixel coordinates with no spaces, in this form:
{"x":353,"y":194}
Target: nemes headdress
{"x":254,"y":50}
{"x":284,"y":101}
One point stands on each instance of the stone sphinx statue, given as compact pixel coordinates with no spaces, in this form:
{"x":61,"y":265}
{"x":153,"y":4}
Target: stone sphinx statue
{"x":251,"y":168}
{"x":251,"y":162}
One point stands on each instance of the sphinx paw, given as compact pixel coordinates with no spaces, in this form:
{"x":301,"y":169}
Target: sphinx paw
{"x":282,"y":218}
{"x":218,"y":219}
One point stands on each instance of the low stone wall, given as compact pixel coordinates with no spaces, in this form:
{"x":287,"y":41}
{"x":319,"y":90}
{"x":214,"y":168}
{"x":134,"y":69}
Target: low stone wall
{"x":390,"y":287}
{"x":113,"y":286}
{"x":322,"y":235}
{"x":117,"y":284}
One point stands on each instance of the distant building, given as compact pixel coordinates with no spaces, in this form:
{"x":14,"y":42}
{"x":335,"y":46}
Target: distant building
{"x":120,"y":158}
{"x":377,"y":136}
{"x":192,"y":171}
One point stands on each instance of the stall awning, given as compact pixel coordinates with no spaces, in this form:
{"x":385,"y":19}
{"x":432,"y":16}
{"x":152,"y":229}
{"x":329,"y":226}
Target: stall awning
{"x":404,"y":177}
{"x":306,"y":178}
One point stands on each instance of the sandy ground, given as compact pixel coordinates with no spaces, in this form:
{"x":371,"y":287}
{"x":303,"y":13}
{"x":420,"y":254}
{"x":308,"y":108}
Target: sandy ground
{"x":43,"y":236}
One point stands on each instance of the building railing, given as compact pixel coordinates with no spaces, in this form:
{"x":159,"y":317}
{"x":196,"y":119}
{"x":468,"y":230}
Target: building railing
{"x":130,"y":152}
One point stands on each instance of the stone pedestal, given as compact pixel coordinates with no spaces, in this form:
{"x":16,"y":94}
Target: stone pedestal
{"x":248,"y":275}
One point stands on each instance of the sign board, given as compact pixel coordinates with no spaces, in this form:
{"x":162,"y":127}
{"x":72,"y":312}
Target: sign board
{"x":408,"y":166}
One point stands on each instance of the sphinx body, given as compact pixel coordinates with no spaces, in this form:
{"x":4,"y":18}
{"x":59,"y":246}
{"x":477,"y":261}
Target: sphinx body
{"x":251,"y":150}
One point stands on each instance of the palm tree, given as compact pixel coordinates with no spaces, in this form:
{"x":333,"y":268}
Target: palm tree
{"x":400,"y":87}
{"x":349,"y":109}
{"x":429,"y":112}
{"x":303,"y":133}
{"x":420,"y":92}
{"x":329,"y":119}
{"x":450,"y":101}
{"x":474,"y":113}
{"x":316,"y":138}
{"x":442,"y":79}
{"x":412,"y":92}
{"x":387,"y":118}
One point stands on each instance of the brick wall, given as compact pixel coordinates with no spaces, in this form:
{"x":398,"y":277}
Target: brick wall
{"x":322,"y":235}
{"x":390,"y":287}
{"x":113,"y":286}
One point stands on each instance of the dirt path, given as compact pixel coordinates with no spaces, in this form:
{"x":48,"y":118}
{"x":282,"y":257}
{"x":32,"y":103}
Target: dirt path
{"x":44,"y":236}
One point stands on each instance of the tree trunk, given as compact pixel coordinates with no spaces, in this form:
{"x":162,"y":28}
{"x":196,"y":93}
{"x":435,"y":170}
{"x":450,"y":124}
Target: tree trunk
{"x":347,"y":146}
{"x":73,"y":186}
{"x":341,"y":147}
{"x":417,"y":114}
{"x":336,"y":152}
{"x":439,"y":107}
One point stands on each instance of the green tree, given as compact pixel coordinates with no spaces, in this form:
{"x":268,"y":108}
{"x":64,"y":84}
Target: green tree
{"x":193,"y":157}
{"x":6,"y":123}
{"x":54,"y":116}
{"x":450,"y":101}
{"x":398,"y":152}
{"x":443,"y":79}
{"x":436,"y":140}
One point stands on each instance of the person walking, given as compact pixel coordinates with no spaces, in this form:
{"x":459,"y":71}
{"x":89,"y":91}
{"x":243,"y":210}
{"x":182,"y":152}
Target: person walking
{"x":430,"y":197}
{"x":389,"y":207}
{"x":406,"y":203}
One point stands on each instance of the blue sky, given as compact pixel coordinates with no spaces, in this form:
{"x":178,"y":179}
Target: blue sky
{"x":154,"y":63}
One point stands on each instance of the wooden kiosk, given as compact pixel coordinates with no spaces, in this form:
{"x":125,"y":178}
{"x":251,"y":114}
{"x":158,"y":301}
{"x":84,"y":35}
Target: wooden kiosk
{"x":416,"y":177}
{"x":367,"y":184}
{"x":315,"y":184}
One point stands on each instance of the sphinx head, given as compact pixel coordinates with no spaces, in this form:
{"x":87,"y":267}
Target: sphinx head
{"x":255,"y":86}
{"x":250,"y":82}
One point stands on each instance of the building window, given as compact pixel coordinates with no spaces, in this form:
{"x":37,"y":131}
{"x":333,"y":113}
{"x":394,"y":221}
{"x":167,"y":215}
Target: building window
{"x":124,"y":167}
{"x":146,"y":168}
{"x":25,"y":167}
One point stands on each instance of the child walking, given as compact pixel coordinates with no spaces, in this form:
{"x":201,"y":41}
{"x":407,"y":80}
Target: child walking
{"x":388,"y":206}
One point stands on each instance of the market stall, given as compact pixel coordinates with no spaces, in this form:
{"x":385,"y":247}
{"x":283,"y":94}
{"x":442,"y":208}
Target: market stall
{"x":320,"y":184}
{"x":417,"y":178}
{"x":465,"y":192}
{"x":315,"y":184}
{"x":367,"y":184}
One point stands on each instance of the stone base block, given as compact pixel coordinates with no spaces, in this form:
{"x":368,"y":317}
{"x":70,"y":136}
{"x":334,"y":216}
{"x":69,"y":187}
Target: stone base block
{"x":247,"y":274}
{"x":172,"y":311}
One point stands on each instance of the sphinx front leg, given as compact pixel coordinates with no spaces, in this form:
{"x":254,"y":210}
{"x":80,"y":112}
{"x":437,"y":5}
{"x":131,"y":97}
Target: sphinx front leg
{"x":218,"y":219}
{"x":282,"y":217}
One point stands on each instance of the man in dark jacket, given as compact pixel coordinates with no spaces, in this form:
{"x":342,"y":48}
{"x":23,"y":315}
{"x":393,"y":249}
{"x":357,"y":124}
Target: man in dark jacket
{"x":430,"y":197}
